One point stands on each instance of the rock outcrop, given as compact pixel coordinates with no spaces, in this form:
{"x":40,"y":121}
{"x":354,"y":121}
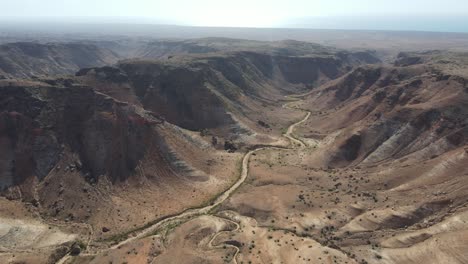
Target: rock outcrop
{"x":41,"y":122}
{"x":387,"y":113}
{"x":202,"y":92}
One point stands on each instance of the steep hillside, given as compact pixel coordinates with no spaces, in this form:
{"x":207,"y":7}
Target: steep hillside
{"x":72,"y":155}
{"x":28,"y":59}
{"x":224,"y":93}
{"x":97,"y":157}
{"x":455,"y":63}
{"x":386,"y":113}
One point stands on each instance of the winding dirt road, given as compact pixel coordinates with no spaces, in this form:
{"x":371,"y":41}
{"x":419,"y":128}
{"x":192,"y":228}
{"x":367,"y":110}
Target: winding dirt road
{"x":210,"y":244}
{"x":191,"y":213}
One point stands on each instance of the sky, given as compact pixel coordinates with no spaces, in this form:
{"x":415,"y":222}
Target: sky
{"x":430,"y":15}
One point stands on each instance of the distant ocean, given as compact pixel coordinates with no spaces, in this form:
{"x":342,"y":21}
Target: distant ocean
{"x":458,"y":23}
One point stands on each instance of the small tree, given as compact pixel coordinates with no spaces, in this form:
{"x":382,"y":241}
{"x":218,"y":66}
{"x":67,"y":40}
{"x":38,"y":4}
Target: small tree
{"x":203,"y":132}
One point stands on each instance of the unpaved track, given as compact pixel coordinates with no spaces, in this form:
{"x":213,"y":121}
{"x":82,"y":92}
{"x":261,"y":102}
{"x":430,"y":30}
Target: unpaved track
{"x":210,"y":244}
{"x":289,"y":133}
{"x":191,"y":213}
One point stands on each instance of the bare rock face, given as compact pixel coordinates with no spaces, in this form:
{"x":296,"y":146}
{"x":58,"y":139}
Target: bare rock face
{"x":391,"y":112}
{"x":201,"y":92}
{"x":18,"y":134}
{"x":349,"y":151}
{"x":179,"y":94}
{"x":39,"y":123}
{"x":405,"y":59}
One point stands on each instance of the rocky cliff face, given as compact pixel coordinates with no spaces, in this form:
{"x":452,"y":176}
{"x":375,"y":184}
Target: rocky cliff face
{"x":387,"y":113}
{"x":27,"y":59}
{"x":201,"y":92}
{"x":40,"y":123}
{"x":70,"y":153}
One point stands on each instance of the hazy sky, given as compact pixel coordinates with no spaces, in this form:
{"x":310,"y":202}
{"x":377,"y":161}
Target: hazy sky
{"x":252,"y":13}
